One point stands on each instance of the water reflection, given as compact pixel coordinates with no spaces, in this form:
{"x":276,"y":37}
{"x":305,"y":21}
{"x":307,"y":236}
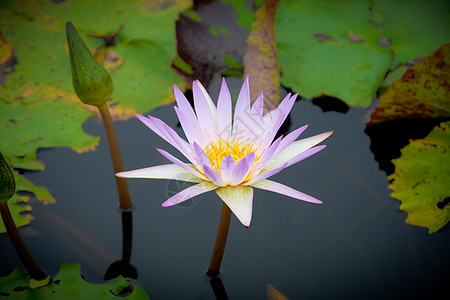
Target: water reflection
{"x":218,"y":288}
{"x":123,"y":266}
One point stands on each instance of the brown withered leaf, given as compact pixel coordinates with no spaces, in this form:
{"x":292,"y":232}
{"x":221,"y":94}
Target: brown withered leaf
{"x":422,"y":92}
{"x":261,"y":59}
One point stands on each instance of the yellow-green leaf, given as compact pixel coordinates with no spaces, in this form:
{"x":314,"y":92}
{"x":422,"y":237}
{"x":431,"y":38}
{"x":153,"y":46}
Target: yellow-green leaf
{"x":421,"y":179}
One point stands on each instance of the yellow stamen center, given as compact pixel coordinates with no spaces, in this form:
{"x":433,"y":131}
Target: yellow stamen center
{"x":217,"y":151}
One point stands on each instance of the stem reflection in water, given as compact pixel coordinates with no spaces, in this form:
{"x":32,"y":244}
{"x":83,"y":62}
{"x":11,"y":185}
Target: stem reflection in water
{"x":123,"y":266}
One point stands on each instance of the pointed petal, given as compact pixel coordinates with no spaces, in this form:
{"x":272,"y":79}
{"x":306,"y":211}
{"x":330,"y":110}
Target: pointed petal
{"x":190,"y":127}
{"x":168,"y":134}
{"x":181,"y":164}
{"x":290,"y":138}
{"x":149,"y":124}
{"x":243,"y":101}
{"x":258,"y":107}
{"x":269,"y":154}
{"x":170,"y":171}
{"x":256,"y":113}
{"x":205,"y":114}
{"x":201,"y":156}
{"x":241,"y":122}
{"x":284,"y":190}
{"x":211,"y":105}
{"x":184,"y":104}
{"x":224,"y":109}
{"x":265,"y":175}
{"x":241,"y":169}
{"x":296,"y":148}
{"x":213,"y":176}
{"x":305,"y":154}
{"x":282,"y":111}
{"x":240,"y":200}
{"x":226,"y":168}
{"x":190,"y":192}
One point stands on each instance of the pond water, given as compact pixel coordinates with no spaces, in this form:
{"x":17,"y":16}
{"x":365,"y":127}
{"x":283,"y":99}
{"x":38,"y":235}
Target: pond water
{"x":354,"y":246}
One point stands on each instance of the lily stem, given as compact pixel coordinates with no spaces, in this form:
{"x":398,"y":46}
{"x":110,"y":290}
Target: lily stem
{"x":221,"y":241}
{"x":122,"y":185}
{"x":21,"y":249}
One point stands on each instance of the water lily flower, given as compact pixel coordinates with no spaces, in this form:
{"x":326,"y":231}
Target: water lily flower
{"x":231,"y":154}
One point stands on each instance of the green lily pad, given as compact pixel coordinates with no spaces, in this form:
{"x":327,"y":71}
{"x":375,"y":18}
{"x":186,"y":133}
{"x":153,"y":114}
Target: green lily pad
{"x":38,"y":106}
{"x":420,"y":180}
{"x":261,"y":58}
{"x":68,"y":284}
{"x":344,"y":49}
{"x":423,"y":91}
{"x":20,"y":211}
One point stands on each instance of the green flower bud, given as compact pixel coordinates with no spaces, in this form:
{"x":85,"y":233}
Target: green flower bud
{"x":7,"y":184}
{"x":91,"y":81}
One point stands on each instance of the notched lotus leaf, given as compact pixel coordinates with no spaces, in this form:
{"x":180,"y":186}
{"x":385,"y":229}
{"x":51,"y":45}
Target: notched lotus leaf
{"x":68,"y":284}
{"x":330,"y":49}
{"x":421,"y":179}
{"x":423,"y":91}
{"x":261,"y":58}
{"x":20,"y":212}
{"x":344,"y":49}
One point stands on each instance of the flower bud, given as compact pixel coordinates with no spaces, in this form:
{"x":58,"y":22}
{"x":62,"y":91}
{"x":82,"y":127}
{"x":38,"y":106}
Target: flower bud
{"x":91,"y":81}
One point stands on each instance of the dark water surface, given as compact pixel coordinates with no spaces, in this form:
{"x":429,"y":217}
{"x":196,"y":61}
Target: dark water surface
{"x":354,"y":246}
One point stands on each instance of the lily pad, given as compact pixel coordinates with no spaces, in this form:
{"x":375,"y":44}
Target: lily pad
{"x":261,"y":58}
{"x":344,"y":49}
{"x":421,"y":179}
{"x":68,"y":284}
{"x":211,"y":39}
{"x":423,"y":91}
{"x":20,"y":211}
{"x":38,"y":107}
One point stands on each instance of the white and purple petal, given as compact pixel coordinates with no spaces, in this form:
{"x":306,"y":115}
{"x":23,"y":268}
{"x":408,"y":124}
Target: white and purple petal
{"x":189,"y":193}
{"x":213,"y":176}
{"x":181,"y":164}
{"x":296,"y":148}
{"x":169,"y":171}
{"x":224,"y":109}
{"x":240,"y":200}
{"x":284,"y":190}
{"x":241,"y":169}
{"x":226,"y":168}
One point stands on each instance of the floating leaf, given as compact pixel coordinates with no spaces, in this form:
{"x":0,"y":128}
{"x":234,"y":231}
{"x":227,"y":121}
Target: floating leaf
{"x":19,"y":211}
{"x":414,"y":28}
{"x":68,"y":284}
{"x":41,"y":80}
{"x":363,"y":40}
{"x":261,"y":58}
{"x":421,"y":179}
{"x":42,"y":123}
{"x":317,"y":57}
{"x":210,"y":39}
{"x":423,"y":91}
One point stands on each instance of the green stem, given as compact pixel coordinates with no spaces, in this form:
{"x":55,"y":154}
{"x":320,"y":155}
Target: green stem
{"x":122,"y":185}
{"x":21,"y":249}
{"x":221,"y":241}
